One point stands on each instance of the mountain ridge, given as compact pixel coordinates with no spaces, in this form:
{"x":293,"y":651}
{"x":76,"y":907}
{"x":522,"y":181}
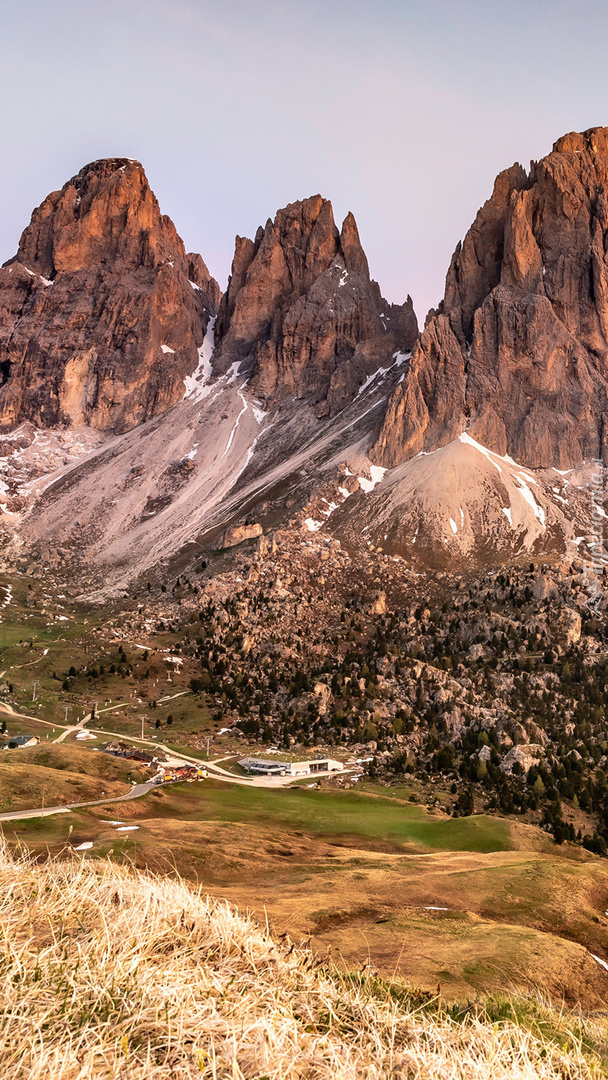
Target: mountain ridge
{"x":517,"y":352}
{"x":301,"y":377}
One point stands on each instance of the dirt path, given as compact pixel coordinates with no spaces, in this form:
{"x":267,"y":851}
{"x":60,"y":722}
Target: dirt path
{"x":80,"y":726}
{"x":30,"y":663}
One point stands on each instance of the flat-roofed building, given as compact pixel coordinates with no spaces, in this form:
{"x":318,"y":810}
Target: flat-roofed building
{"x":263,"y":767}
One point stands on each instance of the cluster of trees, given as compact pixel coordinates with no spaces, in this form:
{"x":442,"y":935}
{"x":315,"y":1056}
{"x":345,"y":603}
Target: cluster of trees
{"x":524,"y":674}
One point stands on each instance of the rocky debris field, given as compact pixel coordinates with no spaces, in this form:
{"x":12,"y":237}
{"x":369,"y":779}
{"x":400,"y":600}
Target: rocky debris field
{"x":493,"y":686}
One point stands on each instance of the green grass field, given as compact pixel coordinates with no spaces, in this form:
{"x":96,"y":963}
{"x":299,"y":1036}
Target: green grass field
{"x":337,"y":815}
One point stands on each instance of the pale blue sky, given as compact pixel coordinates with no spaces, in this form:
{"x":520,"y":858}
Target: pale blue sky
{"x":402,"y":112}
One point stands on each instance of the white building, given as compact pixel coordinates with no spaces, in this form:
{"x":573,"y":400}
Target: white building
{"x":314,"y":766}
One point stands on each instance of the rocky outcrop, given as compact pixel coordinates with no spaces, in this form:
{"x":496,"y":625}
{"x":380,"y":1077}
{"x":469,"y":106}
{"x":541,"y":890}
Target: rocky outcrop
{"x":517,"y":353}
{"x":101,"y":310}
{"x":237,"y":534}
{"x":301,"y":311}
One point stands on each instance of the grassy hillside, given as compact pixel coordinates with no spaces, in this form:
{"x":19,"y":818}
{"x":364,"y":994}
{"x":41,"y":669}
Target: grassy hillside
{"x":60,"y":774}
{"x":356,"y":874}
{"x":109,"y":972}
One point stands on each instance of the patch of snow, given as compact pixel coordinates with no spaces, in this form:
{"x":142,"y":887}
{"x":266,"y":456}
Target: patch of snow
{"x":233,"y":372}
{"x":45,"y":281}
{"x":167,"y":349}
{"x":30,"y":272}
{"x":526,"y":494}
{"x":197,"y":384}
{"x":433,"y":907}
{"x":464,"y":438}
{"x":454,"y":526}
{"x":527,"y":479}
{"x":343,"y":279}
{"x":313,"y":525}
{"x":599,"y":960}
{"x":344,"y":493}
{"x":380,"y":373}
{"x":461,"y":518}
{"x":377,"y":472}
{"x":194,"y":285}
{"x":507,"y":510}
{"x":127,"y":828}
{"x":331,"y":507}
{"x":249,"y":456}
{"x":258,"y":413}
{"x":85,"y":846}
{"x":236,"y":423}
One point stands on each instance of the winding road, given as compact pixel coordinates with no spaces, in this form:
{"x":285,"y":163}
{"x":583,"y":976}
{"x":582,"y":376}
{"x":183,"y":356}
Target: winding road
{"x":213,"y":768}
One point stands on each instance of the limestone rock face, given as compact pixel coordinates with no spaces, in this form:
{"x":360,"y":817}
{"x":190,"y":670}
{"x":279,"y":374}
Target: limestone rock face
{"x":301,"y":310}
{"x":517,"y":353}
{"x":237,"y":534}
{"x":101,"y":310}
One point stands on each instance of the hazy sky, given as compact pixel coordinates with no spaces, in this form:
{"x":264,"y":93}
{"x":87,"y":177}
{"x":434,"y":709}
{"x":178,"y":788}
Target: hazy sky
{"x":402,"y":112}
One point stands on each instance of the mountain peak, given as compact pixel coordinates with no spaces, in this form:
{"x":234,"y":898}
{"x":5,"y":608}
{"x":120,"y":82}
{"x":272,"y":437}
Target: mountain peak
{"x":301,"y":310}
{"x":105,"y":214}
{"x":100,"y":294}
{"x":593,"y":140}
{"x":518,"y":352}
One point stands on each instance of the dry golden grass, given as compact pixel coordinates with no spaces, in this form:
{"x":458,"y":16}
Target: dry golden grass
{"x":111,"y":973}
{"x":53,"y":775}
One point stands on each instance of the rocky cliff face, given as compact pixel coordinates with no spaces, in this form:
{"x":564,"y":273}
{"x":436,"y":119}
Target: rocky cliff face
{"x":517,"y":353}
{"x":301,"y":310}
{"x":101,"y":310}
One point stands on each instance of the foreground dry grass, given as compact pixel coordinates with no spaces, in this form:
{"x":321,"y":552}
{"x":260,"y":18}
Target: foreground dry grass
{"x":109,"y":973}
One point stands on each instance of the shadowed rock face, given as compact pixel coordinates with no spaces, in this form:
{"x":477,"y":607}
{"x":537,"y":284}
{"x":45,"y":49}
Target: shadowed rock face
{"x":100,"y":283}
{"x":517,"y":353}
{"x":301,"y":309}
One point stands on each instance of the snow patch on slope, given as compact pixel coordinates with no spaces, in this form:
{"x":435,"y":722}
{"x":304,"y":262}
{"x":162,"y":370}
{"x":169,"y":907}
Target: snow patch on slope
{"x":464,"y":438}
{"x":197,"y":385}
{"x":377,"y":472}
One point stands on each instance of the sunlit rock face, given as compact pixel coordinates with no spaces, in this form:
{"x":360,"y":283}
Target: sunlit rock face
{"x":517,"y":353}
{"x":301,"y":310}
{"x":102,"y":311}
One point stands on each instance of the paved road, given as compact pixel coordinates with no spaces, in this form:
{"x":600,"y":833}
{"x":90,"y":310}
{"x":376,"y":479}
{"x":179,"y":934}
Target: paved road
{"x":213,"y":767}
{"x":48,"y":811}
